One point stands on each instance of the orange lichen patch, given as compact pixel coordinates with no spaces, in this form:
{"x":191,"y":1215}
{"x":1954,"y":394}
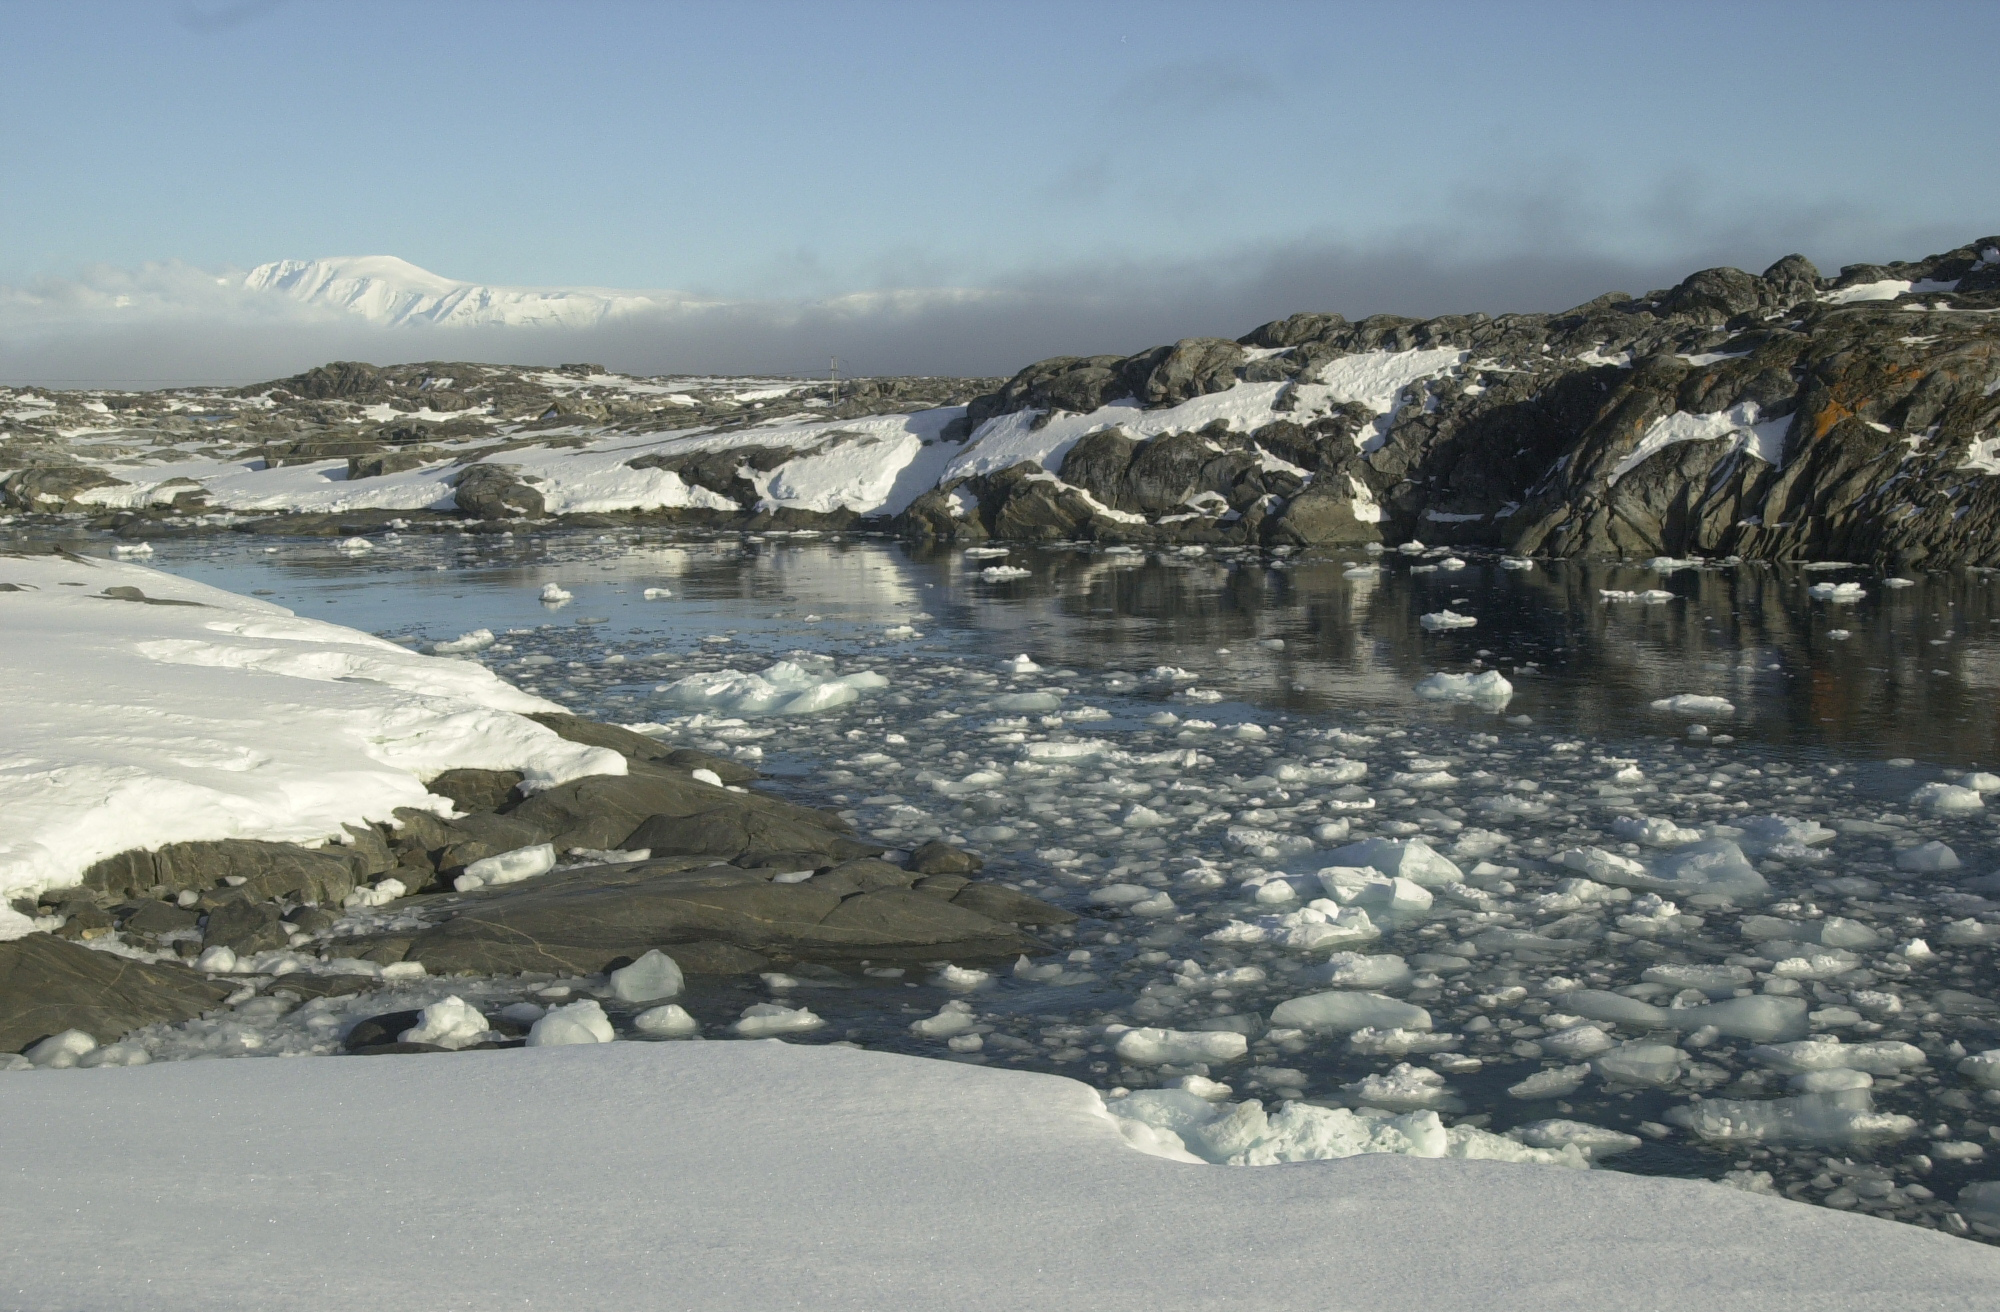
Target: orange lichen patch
{"x":1824,"y":421}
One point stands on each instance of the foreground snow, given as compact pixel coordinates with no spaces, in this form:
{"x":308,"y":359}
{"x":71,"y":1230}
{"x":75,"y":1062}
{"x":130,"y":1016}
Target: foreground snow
{"x":131,"y":723}
{"x":728,"y":1175}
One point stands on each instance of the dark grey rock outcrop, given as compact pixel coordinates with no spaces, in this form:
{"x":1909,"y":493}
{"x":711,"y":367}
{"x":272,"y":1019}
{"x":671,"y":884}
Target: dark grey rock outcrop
{"x":724,"y":919}
{"x":1810,"y":418}
{"x":496,"y":492}
{"x":48,"y":985}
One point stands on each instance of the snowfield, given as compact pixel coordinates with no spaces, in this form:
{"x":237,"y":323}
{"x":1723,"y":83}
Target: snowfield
{"x":741,"y":1175}
{"x":143,"y":709}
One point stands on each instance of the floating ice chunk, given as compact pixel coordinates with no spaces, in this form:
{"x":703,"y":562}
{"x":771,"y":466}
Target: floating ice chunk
{"x":1653,"y":831}
{"x":1361,"y":571}
{"x":1983,"y":1068}
{"x":1981,"y":1201}
{"x":1948,"y":799}
{"x":784,"y":688}
{"x":1157,"y":1047}
{"x":984,"y":553}
{"x":1594,"y":1141}
{"x":1371,"y":1041}
{"x":1344,"y":1012}
{"x":553,"y":594}
{"x":1141,"y":817}
{"x":1266,"y":844}
{"x":1615,"y":1008}
{"x":1653,"y":1064}
{"x":1781,"y":836}
{"x":1364,"y":970}
{"x":1411,"y":859}
{"x":355,"y":547}
{"x":653,"y":977}
{"x":1576,"y":1042}
{"x":477,"y":640}
{"x":578,"y":1022}
{"x":508,"y":867}
{"x":1966,"y":932}
{"x":1762,"y":1018}
{"x":1713,"y":866}
{"x":1604,"y":867}
{"x":658,"y":594}
{"x":1838,"y":594}
{"x":765,"y":1019}
{"x":1362,"y":886}
{"x":1000,"y":573}
{"x":1827,"y":1052}
{"x":1929,"y":858}
{"x":1980,"y":782}
{"x":1486,"y":689}
{"x":1516,"y":562}
{"x":1447,"y":619}
{"x":135,"y":550}
{"x":1022,"y":664}
{"x":61,"y":1051}
{"x":1716,"y":981}
{"x":450,"y":1023}
{"x":1899,"y":583}
{"x":671,"y":1021}
{"x":1552,"y":1082}
{"x":1846,"y":1117}
{"x":954,"y":1017}
{"x":1693,"y":703}
{"x":961,"y":979}
{"x":1339,"y":770}
{"x":1650,"y":597}
{"x":1839,"y":1079}
{"x":1404,"y":1088}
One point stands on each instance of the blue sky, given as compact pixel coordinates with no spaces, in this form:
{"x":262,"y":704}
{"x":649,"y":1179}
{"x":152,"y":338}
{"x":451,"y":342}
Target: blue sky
{"x":1345,"y":156}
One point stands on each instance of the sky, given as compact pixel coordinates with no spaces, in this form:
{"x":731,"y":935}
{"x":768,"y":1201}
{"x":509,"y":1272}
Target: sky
{"x":1035,"y":179}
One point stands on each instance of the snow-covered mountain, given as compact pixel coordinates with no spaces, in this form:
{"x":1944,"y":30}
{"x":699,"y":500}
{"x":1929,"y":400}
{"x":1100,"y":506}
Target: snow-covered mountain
{"x":389,"y":291}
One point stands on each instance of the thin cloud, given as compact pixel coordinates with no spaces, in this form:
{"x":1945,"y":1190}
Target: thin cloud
{"x":174,"y":323}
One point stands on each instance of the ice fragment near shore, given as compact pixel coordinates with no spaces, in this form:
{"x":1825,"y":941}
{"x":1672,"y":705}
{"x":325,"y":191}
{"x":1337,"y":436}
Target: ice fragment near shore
{"x":579,"y":1022}
{"x":1175,"y":1123}
{"x":651,"y":978}
{"x":450,"y":1023}
{"x":477,"y":640}
{"x":1844,"y":1117}
{"x":1158,"y":1047}
{"x":670,"y":1021}
{"x":508,"y":867}
{"x":766,"y":1019}
{"x":1446,"y":619}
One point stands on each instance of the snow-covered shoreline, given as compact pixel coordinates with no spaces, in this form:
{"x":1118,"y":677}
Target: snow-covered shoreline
{"x":761,"y":1175}
{"x":144,"y":709}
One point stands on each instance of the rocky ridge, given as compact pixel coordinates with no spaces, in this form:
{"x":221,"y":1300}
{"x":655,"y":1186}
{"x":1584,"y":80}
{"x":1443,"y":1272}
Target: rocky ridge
{"x":1781,"y":415}
{"x":678,"y":855}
